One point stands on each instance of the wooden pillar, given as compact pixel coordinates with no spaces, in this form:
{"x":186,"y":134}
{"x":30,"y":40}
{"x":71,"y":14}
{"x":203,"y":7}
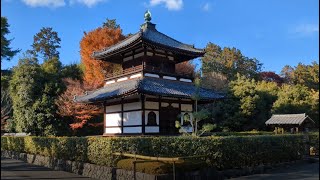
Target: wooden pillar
{"x":143,"y":113}
{"x":180,"y":111}
{"x":104,"y":117}
{"x":121,"y":115}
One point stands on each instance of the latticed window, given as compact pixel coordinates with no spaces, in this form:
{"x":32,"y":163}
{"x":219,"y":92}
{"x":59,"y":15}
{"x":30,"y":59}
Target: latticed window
{"x":152,"y":119}
{"x":186,"y":119}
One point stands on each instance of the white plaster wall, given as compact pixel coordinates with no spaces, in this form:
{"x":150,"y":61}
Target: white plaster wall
{"x":169,"y":77}
{"x":151,"y":75}
{"x":132,"y":130}
{"x":132,"y":106}
{"x":164,"y":104}
{"x":175,"y":105}
{"x":185,"y":80}
{"x":113,"y":119}
{"x":113,"y":130}
{"x":113,"y":108}
{"x":151,"y":105}
{"x":132,"y":118}
{"x":135,"y":75}
{"x":146,"y":116}
{"x":187,"y":128}
{"x":186,"y":107}
{"x":152,"y":129}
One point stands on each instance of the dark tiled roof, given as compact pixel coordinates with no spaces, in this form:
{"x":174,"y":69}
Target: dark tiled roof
{"x":149,"y":34}
{"x":148,"y":85}
{"x":287,"y":119}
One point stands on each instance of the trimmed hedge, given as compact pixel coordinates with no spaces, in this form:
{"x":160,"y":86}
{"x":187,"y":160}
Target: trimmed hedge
{"x":243,"y":133}
{"x":314,"y":140}
{"x":223,"y":152}
{"x":157,"y":167}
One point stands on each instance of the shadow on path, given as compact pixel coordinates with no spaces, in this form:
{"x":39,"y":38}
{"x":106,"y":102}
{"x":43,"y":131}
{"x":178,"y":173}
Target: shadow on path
{"x":16,"y":169}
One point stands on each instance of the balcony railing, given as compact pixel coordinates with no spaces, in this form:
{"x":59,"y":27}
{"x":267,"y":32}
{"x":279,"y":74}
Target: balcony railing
{"x":146,"y":68}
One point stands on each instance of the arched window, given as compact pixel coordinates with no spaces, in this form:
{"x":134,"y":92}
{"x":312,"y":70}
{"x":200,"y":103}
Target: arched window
{"x":186,"y":119}
{"x":152,"y":119}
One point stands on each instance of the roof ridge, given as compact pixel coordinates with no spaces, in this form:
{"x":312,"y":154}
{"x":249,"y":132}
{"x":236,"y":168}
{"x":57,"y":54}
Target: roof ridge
{"x":125,"y":39}
{"x":192,"y":46}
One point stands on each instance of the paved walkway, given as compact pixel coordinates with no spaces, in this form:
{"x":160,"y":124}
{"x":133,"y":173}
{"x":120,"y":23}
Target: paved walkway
{"x":16,"y":169}
{"x":305,"y":171}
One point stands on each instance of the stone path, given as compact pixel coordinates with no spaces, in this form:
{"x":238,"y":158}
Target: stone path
{"x":16,"y":169}
{"x":305,"y":171}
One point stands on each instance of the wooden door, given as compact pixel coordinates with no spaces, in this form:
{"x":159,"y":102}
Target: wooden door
{"x":168,"y":117}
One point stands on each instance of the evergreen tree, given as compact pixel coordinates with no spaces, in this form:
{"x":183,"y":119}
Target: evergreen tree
{"x":6,"y":52}
{"x":46,"y":43}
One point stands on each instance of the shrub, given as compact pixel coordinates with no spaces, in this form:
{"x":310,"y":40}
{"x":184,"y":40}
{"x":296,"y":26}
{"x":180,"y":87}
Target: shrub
{"x":314,"y":140}
{"x":157,"y":167}
{"x":222,"y":152}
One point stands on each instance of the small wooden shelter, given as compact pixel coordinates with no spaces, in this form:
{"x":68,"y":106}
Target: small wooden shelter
{"x":148,"y":96}
{"x":291,"y":122}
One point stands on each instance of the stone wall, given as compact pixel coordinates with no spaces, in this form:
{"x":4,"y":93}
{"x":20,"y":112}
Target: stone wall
{"x":110,"y":173}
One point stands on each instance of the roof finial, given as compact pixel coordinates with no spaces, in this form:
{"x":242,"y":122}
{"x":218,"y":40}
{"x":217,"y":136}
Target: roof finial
{"x":147,"y":16}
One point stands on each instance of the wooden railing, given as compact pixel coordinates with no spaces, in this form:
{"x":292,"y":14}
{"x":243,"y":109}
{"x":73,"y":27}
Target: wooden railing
{"x":146,"y":68}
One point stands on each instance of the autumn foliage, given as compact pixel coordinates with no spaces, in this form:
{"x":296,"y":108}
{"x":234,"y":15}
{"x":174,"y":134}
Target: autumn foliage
{"x":79,"y":112}
{"x":186,"y":68}
{"x":97,"y":40}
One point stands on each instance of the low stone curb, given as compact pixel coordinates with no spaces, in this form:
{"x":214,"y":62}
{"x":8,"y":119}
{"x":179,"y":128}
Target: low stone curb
{"x":103,"y":172}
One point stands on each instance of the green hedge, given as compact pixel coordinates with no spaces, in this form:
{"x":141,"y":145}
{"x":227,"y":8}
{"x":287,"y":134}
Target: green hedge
{"x":223,"y":152}
{"x":314,"y":140}
{"x":243,"y":133}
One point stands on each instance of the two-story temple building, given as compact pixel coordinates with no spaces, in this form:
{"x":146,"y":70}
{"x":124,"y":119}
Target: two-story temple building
{"x":148,"y":96}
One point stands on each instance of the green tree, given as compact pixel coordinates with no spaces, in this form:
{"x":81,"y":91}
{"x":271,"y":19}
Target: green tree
{"x":6,"y":52}
{"x":73,"y":71}
{"x":307,"y":75}
{"x":247,"y":105}
{"x":111,"y":24}
{"x":25,"y":90}
{"x":46,"y":43}
{"x":197,"y":116}
{"x":228,"y":62}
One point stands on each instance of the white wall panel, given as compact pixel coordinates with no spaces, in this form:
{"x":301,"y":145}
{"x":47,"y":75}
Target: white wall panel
{"x":169,"y":77}
{"x":152,"y":129}
{"x":187,"y":128}
{"x":175,"y":105}
{"x":113,"y":130}
{"x":151,"y":105}
{"x":113,"y":119}
{"x":132,"y":106}
{"x":164,"y":104}
{"x":113,"y":108}
{"x":132,"y":130}
{"x":186,"y":107}
{"x":146,"y":116}
{"x":132,"y":118}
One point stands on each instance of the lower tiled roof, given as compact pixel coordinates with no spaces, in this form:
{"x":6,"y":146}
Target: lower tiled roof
{"x":278,"y":119}
{"x":148,"y":85}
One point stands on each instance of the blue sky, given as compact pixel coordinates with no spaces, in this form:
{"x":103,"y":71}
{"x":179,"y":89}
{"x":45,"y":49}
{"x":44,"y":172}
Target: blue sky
{"x":276,"y":32}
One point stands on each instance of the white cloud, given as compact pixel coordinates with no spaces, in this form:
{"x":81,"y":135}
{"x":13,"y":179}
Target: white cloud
{"x":88,"y":3}
{"x":306,"y":29}
{"x":44,"y":3}
{"x":206,"y":7}
{"x":170,"y":4}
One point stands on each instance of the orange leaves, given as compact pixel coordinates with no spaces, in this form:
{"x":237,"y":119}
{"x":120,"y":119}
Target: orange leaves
{"x":79,"y":112}
{"x":185,"y":68}
{"x":97,"y":40}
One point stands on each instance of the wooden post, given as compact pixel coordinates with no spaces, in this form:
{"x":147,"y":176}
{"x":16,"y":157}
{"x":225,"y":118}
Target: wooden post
{"x":122,"y":115}
{"x":143,"y":113}
{"x":104,"y":117}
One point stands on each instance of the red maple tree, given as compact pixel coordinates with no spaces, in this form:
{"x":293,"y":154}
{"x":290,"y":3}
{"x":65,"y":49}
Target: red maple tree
{"x":79,"y":112}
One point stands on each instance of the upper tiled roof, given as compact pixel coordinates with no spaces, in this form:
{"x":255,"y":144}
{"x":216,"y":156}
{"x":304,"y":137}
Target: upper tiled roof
{"x":148,"y":85}
{"x":149,"y":34}
{"x":287,"y":119}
